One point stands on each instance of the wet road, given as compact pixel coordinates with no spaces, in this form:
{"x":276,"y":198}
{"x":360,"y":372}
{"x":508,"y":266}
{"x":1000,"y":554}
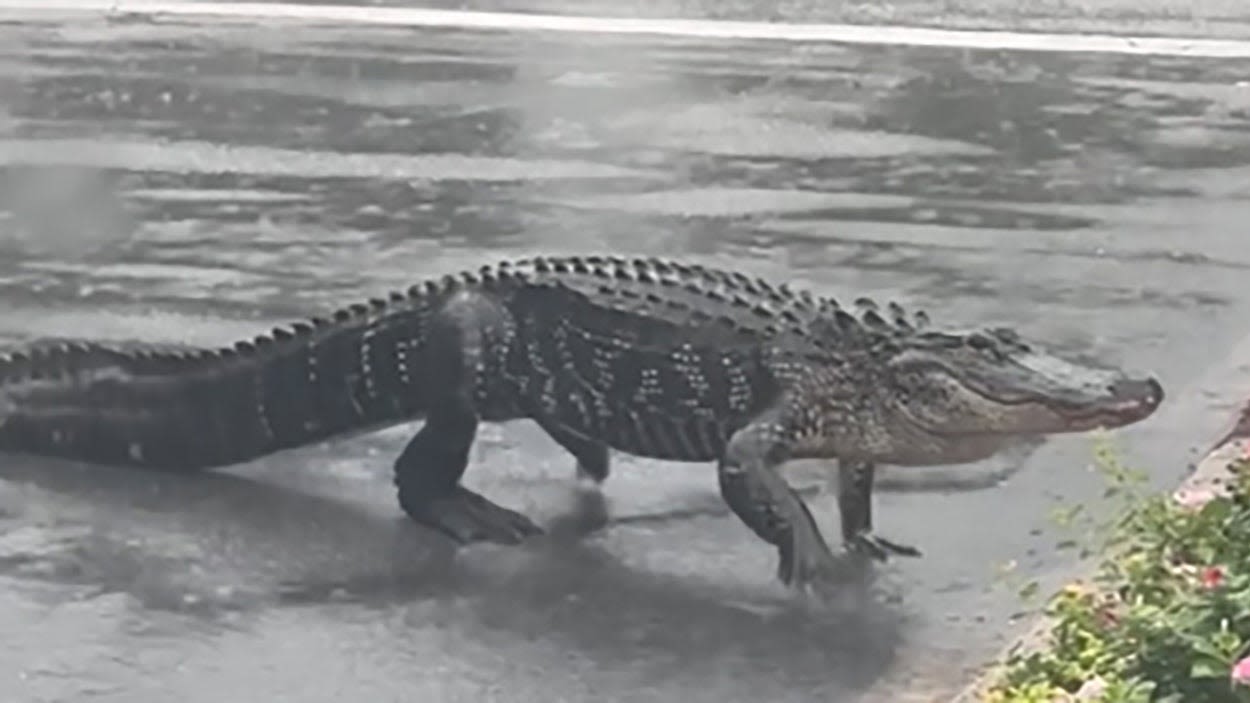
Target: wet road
{"x":179,"y":183}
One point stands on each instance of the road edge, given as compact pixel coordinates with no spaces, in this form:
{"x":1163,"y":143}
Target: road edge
{"x":873,"y":34}
{"x":1208,"y":478}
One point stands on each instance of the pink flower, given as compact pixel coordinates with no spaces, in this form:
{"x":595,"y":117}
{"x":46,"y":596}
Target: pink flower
{"x":1194,"y":499}
{"x":1107,"y":617}
{"x":1091,"y":690}
{"x":1241,"y":672}
{"x":1212,"y":577}
{"x":1107,"y":613}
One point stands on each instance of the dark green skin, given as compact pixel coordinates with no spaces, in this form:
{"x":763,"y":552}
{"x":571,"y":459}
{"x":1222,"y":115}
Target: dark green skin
{"x":649,"y":357}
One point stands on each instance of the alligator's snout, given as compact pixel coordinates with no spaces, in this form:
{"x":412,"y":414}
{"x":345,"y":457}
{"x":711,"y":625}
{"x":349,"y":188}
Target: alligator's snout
{"x":1138,"y":393}
{"x":1135,"y":392}
{"x":1127,"y":400}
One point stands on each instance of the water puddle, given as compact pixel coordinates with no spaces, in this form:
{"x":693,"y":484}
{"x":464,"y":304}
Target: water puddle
{"x":208,"y":158}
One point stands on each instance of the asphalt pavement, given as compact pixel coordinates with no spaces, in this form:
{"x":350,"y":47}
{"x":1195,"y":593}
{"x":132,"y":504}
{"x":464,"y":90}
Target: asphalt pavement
{"x":174,"y":182}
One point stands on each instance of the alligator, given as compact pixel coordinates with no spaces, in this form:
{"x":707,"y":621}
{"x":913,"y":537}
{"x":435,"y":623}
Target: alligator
{"x":658,"y":358}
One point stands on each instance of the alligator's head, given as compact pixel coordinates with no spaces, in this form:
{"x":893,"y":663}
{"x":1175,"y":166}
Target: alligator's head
{"x":962,"y":396}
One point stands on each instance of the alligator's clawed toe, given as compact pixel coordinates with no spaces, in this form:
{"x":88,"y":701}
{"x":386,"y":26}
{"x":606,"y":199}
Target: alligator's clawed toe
{"x":821,"y":577}
{"x":806,"y":563}
{"x":467,"y":517}
{"x":499,"y":521}
{"x":880,"y":548}
{"x":811,"y":568}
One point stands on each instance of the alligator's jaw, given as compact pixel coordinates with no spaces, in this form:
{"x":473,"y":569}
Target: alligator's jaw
{"x":1127,"y":401}
{"x":991,"y":382}
{"x":1130,"y":401}
{"x":911,"y":445}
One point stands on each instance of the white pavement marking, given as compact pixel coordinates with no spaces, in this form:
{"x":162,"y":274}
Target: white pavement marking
{"x":712,"y":29}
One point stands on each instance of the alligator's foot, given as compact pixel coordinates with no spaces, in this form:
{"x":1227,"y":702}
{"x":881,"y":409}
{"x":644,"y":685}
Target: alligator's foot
{"x":806,"y":563}
{"x":879,"y":548}
{"x":467,"y":517}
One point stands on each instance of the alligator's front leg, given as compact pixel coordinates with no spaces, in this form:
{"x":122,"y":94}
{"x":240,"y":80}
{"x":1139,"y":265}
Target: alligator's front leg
{"x":752,"y":487}
{"x":855,"y":483}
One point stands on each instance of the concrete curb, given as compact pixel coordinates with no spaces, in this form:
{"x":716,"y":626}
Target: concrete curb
{"x":1208,"y":480}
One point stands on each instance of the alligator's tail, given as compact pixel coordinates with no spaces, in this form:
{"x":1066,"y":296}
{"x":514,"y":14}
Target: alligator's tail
{"x":197,"y":408}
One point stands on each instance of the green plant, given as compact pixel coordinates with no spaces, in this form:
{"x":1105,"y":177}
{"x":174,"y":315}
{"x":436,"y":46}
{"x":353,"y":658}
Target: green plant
{"x":1166,"y":616}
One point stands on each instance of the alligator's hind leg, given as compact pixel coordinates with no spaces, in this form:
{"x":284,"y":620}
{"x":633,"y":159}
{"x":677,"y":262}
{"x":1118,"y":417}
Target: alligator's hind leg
{"x":428,"y":471}
{"x":592,"y":456}
{"x":428,"y":474}
{"x":855,"y":482}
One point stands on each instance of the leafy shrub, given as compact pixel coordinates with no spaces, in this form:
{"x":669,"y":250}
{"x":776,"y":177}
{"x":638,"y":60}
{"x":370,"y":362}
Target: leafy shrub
{"x":1166,"y":617}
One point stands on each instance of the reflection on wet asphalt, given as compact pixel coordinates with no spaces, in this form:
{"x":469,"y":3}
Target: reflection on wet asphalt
{"x":175,"y":183}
